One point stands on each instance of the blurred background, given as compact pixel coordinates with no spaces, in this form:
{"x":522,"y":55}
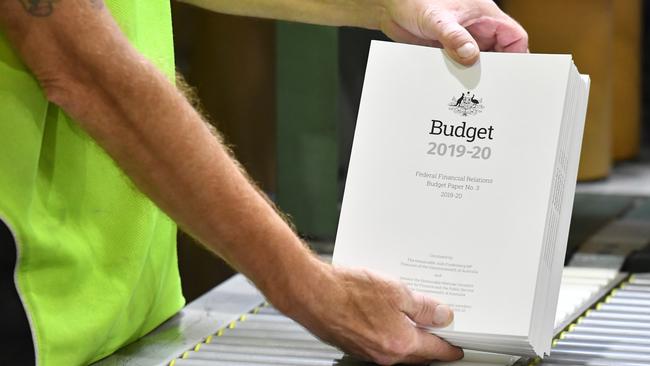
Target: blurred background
{"x":286,"y":97}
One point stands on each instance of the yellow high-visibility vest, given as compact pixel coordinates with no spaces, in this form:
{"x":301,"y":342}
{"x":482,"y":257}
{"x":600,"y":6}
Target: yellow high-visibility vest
{"x":97,"y":266}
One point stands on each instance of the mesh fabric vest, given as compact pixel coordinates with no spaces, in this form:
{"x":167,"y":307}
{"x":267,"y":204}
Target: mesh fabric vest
{"x":97,"y":264}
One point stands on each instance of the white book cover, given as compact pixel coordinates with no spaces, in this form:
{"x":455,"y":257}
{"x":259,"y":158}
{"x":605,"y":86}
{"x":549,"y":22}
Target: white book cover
{"x":450,"y":178}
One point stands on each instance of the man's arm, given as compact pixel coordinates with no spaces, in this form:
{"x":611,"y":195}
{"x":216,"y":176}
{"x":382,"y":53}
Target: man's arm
{"x":462,"y":27}
{"x":86,"y":66}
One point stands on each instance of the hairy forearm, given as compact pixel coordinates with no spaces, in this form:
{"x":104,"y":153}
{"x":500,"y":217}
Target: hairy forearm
{"x":359,"y":13}
{"x":133,"y":111}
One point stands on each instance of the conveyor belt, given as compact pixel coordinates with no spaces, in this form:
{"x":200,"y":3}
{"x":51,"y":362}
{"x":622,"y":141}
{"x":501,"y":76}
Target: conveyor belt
{"x":263,"y":336}
{"x":212,"y":331}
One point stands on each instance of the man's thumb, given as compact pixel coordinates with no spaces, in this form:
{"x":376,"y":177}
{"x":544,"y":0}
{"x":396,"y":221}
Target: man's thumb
{"x":453,"y":37}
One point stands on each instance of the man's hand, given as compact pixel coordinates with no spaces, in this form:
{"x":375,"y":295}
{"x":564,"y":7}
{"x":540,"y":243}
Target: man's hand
{"x":369,"y":316}
{"x":462,"y":27}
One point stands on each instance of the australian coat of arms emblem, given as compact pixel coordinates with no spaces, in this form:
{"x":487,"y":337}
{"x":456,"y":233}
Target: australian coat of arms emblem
{"x":467,"y":104}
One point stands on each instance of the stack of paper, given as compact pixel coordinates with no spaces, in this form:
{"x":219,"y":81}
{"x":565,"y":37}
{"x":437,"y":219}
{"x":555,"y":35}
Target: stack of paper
{"x":461,"y":185}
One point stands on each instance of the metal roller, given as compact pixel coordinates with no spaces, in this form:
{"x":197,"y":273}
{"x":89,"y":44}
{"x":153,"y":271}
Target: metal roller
{"x":629,"y":302}
{"x":591,"y":354}
{"x":195,"y":362}
{"x":610,"y":331}
{"x":256,"y":349}
{"x":583,"y":362}
{"x":608,"y":307}
{"x":632,"y":287}
{"x":269,"y":310}
{"x":256,"y":358}
{"x":620,"y":316}
{"x":260,"y":333}
{"x":626,"y":324}
{"x":604,"y":338}
{"x":272,"y":342}
{"x":632,"y":294}
{"x":602,"y":346}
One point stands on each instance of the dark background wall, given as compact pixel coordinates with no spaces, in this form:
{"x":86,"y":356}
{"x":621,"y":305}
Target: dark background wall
{"x":230,"y":61}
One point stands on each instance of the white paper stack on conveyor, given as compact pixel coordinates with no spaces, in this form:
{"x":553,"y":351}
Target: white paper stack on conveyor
{"x":461,"y":184}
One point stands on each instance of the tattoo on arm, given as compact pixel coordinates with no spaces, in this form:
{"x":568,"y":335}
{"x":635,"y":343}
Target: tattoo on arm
{"x":45,"y":8}
{"x":38,"y":8}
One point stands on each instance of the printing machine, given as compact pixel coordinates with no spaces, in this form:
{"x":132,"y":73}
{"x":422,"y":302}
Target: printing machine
{"x":603,"y":315}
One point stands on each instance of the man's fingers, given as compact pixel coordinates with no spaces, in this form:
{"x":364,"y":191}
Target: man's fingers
{"x":425,"y":311}
{"x":395,"y":32}
{"x":431,"y":348}
{"x":511,"y":37}
{"x":458,"y":42}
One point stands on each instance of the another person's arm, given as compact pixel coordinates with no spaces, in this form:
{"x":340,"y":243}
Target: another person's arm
{"x":461,"y":26}
{"x":86,"y":66}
